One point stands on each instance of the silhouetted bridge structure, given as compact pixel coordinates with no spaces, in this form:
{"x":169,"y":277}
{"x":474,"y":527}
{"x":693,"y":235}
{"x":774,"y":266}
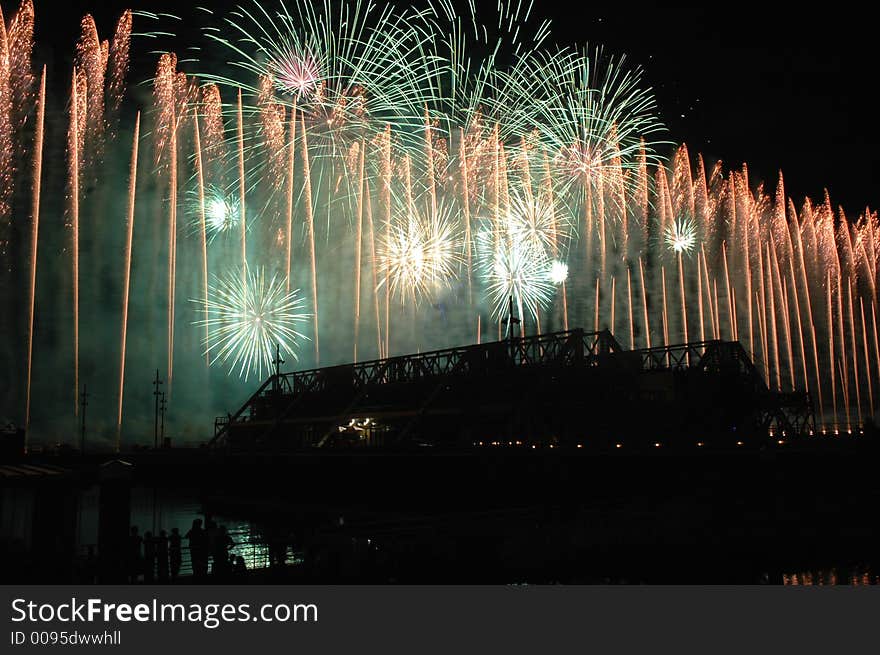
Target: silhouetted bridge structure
{"x":569,"y":389}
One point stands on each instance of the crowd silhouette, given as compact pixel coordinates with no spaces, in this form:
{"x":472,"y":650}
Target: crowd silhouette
{"x":158,"y":558}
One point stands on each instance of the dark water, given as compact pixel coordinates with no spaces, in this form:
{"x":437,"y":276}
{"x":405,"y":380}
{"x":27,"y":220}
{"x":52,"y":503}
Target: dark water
{"x":512,"y":546}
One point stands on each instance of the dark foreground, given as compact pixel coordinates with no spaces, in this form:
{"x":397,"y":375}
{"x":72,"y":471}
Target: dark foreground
{"x":495,"y":515}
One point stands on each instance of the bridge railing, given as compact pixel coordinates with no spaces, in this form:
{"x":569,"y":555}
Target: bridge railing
{"x":675,"y":356}
{"x":711,"y":354}
{"x":569,"y":347}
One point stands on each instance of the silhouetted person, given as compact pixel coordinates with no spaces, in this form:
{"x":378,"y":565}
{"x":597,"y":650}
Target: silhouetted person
{"x":198,"y":549}
{"x":133,"y":563}
{"x":221,"y":543}
{"x":239,"y":567}
{"x":162,"y":556}
{"x":174,"y":554}
{"x":149,"y":558}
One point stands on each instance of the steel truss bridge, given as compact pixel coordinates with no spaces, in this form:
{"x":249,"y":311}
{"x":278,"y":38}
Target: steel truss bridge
{"x":574,"y":388}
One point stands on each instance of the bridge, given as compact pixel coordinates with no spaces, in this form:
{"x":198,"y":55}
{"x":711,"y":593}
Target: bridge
{"x":566,"y":389}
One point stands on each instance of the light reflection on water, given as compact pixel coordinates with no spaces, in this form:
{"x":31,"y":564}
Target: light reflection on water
{"x":857,"y":576}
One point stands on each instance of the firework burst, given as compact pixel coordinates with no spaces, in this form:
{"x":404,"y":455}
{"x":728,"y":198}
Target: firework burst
{"x":339,"y":63}
{"x":421,"y":254}
{"x":558,"y":272}
{"x":296,"y":73}
{"x":532,"y":219}
{"x":246,"y":317}
{"x":588,"y":109}
{"x":514,"y":268}
{"x":681,"y":236}
{"x":222,"y":213}
{"x":469,"y":92}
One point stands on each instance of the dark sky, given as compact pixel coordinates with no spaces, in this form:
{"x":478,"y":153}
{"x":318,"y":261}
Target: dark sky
{"x":777,"y":88}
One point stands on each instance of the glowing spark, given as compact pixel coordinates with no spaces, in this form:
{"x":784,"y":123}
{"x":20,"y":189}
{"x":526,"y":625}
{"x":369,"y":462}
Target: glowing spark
{"x":341,"y":62}
{"x":118,"y":61}
{"x":221,"y":214}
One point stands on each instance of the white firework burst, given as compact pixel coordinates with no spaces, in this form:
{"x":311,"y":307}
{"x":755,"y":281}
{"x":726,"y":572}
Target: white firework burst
{"x":420,"y":254}
{"x":533,"y":219}
{"x":514,"y":269}
{"x":247,"y":316}
{"x":222,"y":213}
{"x":681,"y":236}
{"x":558,"y":272}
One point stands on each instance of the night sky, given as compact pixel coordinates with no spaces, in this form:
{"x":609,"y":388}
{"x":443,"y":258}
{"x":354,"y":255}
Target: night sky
{"x":778,"y":89}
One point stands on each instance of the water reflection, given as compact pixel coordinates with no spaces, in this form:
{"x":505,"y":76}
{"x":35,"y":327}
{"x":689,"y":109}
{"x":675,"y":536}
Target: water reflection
{"x":857,"y":576}
{"x":371,"y":546}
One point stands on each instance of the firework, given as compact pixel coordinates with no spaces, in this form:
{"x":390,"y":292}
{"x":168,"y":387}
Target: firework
{"x":296,"y":73}
{"x":21,"y":75}
{"x":247,"y":316}
{"x":469,"y":92}
{"x":222,"y":213}
{"x":342,"y":63}
{"x":6,"y":133}
{"x":681,"y":236}
{"x":16,"y":86}
{"x":532,"y":219}
{"x":35,"y":214}
{"x":517,"y":269}
{"x":421,"y":253}
{"x":91,"y":66}
{"x":558,"y":272}
{"x":589,"y":110}
{"x":118,"y":61}
{"x":446,"y":159}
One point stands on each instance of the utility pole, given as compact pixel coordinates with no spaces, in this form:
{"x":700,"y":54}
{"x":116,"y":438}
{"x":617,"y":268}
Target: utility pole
{"x":162,"y":407}
{"x":82,"y":435}
{"x":156,"y":383}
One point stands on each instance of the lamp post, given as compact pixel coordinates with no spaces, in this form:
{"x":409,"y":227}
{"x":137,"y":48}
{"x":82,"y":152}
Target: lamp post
{"x":156,"y":383}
